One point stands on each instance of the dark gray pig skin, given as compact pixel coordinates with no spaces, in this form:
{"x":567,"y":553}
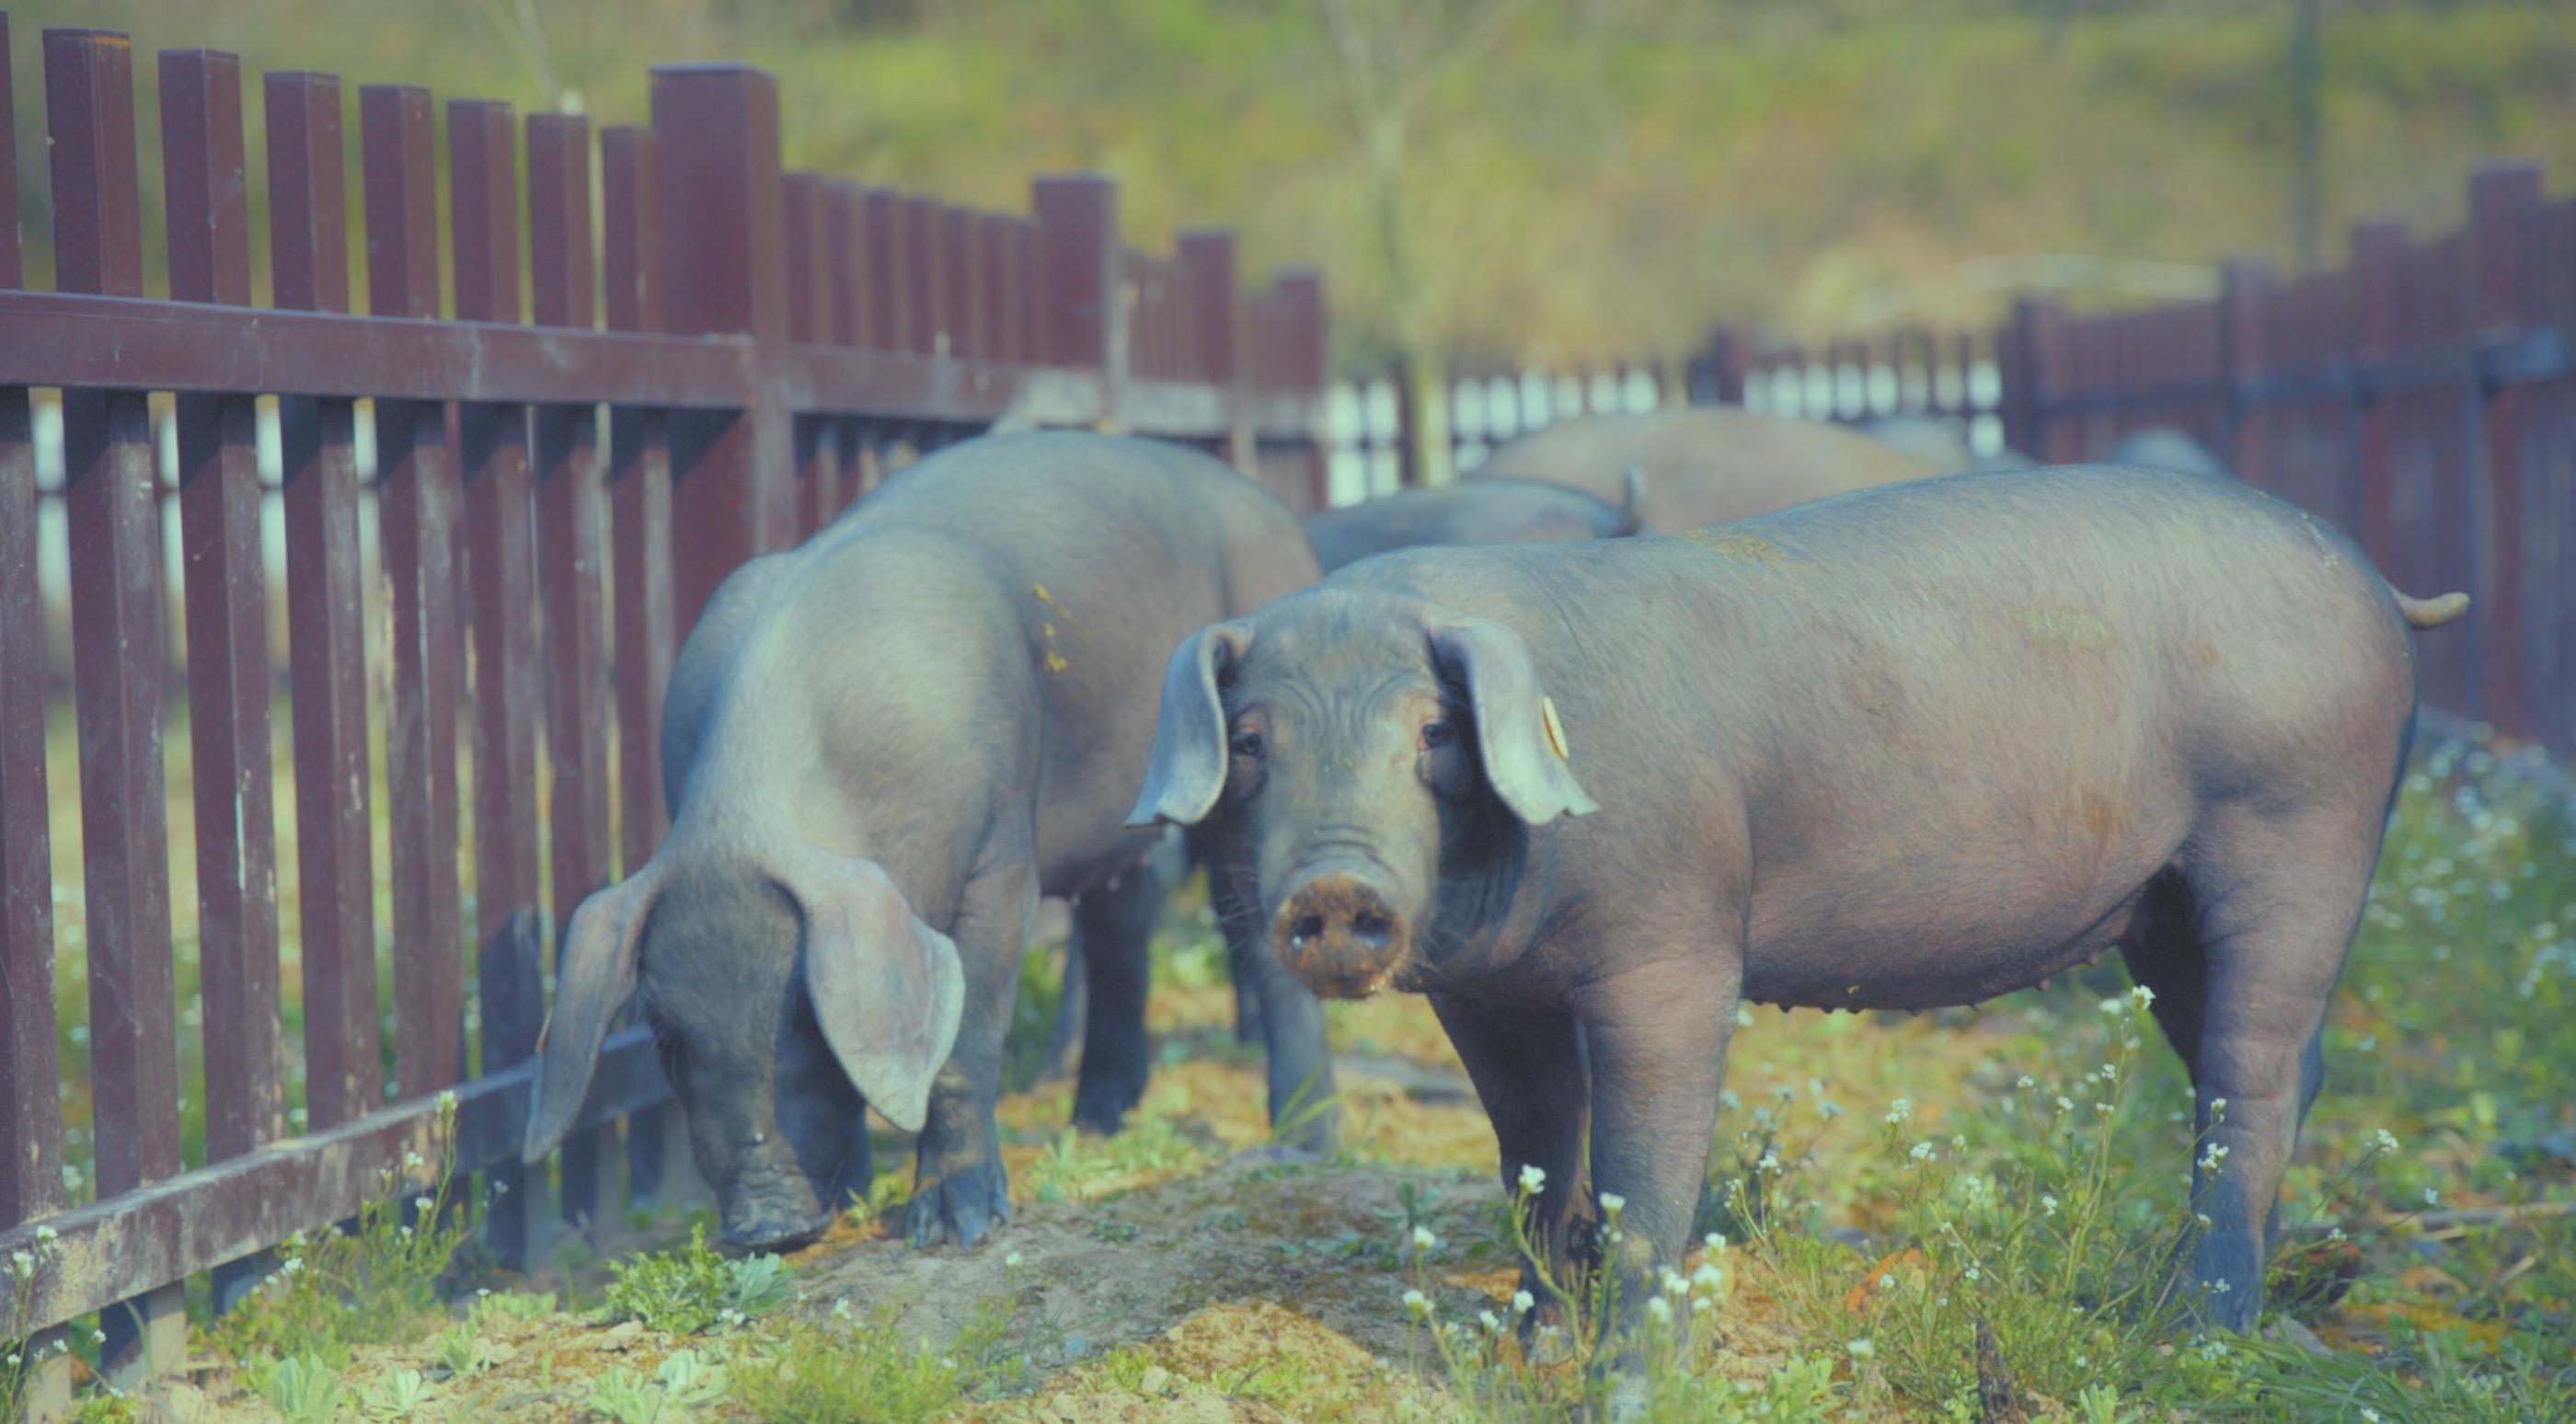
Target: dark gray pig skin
{"x":1908,"y":747}
{"x":1473,"y":512}
{"x":880,"y":749}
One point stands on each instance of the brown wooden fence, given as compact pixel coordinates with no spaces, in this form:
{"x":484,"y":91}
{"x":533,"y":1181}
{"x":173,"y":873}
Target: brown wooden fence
{"x":2422,"y":397}
{"x":559,"y":479}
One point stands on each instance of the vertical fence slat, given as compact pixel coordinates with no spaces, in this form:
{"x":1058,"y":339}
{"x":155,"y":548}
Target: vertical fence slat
{"x":227,"y":617}
{"x":493,"y":459}
{"x":1207,"y":266}
{"x":925,"y":278}
{"x":112,"y":508}
{"x":417,"y":507}
{"x":2500,"y":194}
{"x":572,"y":545}
{"x":639,"y":482}
{"x":1002,"y":294}
{"x":846,"y":277}
{"x":809,"y":320}
{"x":1024,"y":259}
{"x":889,"y":282}
{"x":1301,"y":292}
{"x":1081,"y":323}
{"x":961,"y":267}
{"x":724,"y":272}
{"x":309,"y":240}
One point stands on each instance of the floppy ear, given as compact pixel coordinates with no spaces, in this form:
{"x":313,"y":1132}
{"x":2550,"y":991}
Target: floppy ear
{"x":593,"y":977}
{"x":1517,"y":735}
{"x":1185,"y":773}
{"x":1632,"y":501}
{"x":887,"y":989}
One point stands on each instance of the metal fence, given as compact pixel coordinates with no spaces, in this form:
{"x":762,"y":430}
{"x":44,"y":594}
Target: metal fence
{"x":557,"y":480}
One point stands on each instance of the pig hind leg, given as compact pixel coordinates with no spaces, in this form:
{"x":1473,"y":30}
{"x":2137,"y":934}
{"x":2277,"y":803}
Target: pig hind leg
{"x":1111,"y":929}
{"x":2273,"y":900}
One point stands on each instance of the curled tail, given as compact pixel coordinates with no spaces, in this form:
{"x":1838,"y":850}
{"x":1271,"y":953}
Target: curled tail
{"x":2430,"y":612}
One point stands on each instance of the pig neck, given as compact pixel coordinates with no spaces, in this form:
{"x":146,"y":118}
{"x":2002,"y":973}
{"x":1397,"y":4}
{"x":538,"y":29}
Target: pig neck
{"x":867,"y":716}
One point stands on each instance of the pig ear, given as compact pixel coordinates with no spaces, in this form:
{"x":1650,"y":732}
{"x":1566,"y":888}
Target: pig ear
{"x":1517,"y":734}
{"x":1632,"y":501}
{"x":1185,"y":773}
{"x":593,"y":977}
{"x":887,"y":989}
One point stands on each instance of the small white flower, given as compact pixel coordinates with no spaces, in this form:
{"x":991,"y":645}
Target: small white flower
{"x":2384,"y":1140}
{"x":2143,"y":995}
{"x":2114,"y":1007}
{"x":2369,"y":1416}
{"x":1828,"y":1108}
{"x":2217,"y":1106}
{"x":2027,"y":1081}
{"x":1423,"y":1240}
{"x":1974,"y":1274}
{"x":1922,"y":1152}
{"x":841,"y":1309}
{"x":1523,"y":1302}
{"x":1708,"y":1277}
{"x":1861,"y":1349}
{"x":2048,"y":1205}
{"x":1011,"y":1262}
{"x":1900,"y":1110}
{"x":2335,"y":1235}
{"x":44,"y":1234}
{"x":1492,"y":1325}
{"x":1613,"y":1203}
{"x":412,"y":1162}
{"x":2432,"y":1197}
{"x":446,"y":1100}
{"x":1727,"y":1099}
{"x":2202,"y":1218}
{"x":2220,"y":1287}
{"x":2216,"y":1153}
{"x":1661,"y":1309}
{"x":1715,"y":1241}
{"x":1770,"y":1162}
{"x":2064,"y":1104}
{"x":1700,"y":1303}
{"x":1417,"y":1305}
{"x":23,"y":1263}
{"x":1674,"y":1283}
{"x":1533,"y":1179}
{"x":422,"y":1204}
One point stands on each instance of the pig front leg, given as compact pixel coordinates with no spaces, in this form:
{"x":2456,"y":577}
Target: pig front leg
{"x":1527,"y":1065}
{"x":1655,"y":1037}
{"x":960,"y":1193}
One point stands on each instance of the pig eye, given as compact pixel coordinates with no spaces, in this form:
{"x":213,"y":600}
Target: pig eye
{"x":1246,"y":743}
{"x":1436,"y":735}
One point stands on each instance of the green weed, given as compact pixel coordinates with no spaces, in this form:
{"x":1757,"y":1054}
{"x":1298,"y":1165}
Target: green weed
{"x":845,"y":1367}
{"x":691,"y":1290}
{"x":685,"y":1381}
{"x":299,"y":1387}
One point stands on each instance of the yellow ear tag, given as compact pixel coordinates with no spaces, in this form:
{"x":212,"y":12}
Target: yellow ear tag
{"x":1555,"y":730}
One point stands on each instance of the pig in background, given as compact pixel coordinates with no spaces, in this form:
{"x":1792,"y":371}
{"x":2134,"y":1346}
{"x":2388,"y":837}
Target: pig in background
{"x":880,"y":750}
{"x":1907,"y":747}
{"x":1705,"y":464}
{"x":1485,"y":511}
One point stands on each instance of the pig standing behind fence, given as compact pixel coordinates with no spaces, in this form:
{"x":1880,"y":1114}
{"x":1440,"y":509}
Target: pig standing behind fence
{"x":880,"y":749}
{"x":1909,"y":747}
{"x":1706,"y":464}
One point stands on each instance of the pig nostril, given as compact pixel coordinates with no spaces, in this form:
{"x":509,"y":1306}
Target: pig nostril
{"x":1308,"y":929}
{"x":1373,"y":928}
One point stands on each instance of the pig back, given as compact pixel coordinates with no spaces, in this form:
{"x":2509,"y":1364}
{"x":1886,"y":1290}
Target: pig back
{"x":1705,"y":464}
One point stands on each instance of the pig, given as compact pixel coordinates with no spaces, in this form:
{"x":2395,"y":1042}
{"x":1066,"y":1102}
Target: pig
{"x":1707,"y":464}
{"x":880,"y":750}
{"x":1488,"y":511}
{"x":2166,"y":448}
{"x":1940,"y":442}
{"x":1901,"y":748}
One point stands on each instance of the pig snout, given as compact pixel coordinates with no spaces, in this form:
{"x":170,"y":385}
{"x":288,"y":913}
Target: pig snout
{"x":1337,"y":929}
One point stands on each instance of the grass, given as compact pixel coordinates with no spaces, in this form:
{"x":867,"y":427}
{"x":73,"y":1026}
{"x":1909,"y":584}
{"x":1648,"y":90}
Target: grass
{"x":1869,"y":1242}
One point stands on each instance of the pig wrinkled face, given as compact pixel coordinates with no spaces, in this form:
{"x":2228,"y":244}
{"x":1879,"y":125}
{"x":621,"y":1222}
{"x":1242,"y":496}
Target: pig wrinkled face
{"x":1348,"y":765}
{"x":773,"y":1121}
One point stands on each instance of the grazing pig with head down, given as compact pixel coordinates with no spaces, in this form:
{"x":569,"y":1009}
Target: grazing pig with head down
{"x":1908,"y":747}
{"x":881,"y":748}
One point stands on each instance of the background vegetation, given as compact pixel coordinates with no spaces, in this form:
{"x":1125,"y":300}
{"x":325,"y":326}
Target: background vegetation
{"x":1543,"y":178}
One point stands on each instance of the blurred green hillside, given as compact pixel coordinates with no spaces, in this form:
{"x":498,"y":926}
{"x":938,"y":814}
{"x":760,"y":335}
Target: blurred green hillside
{"x":1547,"y":178}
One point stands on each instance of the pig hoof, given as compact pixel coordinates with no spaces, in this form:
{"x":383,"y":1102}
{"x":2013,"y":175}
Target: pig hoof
{"x":959,"y":1209}
{"x":1100,"y":1107}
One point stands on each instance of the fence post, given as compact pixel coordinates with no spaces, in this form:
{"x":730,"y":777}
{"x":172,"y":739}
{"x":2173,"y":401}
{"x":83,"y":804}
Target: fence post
{"x":1082,"y":318}
{"x":2376,"y":249}
{"x":2244,"y":300}
{"x":31,"y":1183}
{"x":569,"y":517}
{"x":725,"y":273}
{"x":2034,"y":349}
{"x":2501,"y":194}
{"x":227,"y":619}
{"x":112,"y":506}
{"x":493,"y":453}
{"x":658,"y":1168}
{"x":1207,"y":267}
{"x":1301,"y":301}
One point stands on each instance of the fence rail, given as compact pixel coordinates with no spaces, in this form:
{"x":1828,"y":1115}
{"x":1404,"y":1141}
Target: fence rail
{"x":2421,"y":397}
{"x":558,"y":478}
